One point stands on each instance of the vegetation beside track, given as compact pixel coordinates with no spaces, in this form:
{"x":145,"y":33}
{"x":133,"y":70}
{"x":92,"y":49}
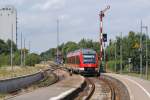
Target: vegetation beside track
{"x":130,"y":54}
{"x":7,"y":72}
{"x":49,"y":79}
{"x":31,"y":58}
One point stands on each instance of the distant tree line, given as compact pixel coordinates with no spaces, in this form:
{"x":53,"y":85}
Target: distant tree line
{"x":5,"y":49}
{"x":130,"y":49}
{"x":64,"y":48}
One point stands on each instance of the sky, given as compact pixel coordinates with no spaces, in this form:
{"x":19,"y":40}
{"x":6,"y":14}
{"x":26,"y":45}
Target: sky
{"x":37,"y":19}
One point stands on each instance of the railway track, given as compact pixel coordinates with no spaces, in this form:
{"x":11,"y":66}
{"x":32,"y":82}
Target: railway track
{"x":97,"y":89}
{"x":42,"y":83}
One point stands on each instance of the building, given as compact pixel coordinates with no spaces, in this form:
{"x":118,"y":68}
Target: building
{"x":8,"y":23}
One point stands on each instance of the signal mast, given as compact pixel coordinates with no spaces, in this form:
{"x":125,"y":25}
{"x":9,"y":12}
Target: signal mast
{"x":101,"y":15}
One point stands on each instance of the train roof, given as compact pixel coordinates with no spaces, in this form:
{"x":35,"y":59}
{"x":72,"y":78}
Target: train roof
{"x":87,"y":51}
{"x":83,"y":51}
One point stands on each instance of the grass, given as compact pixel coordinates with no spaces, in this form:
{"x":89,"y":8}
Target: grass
{"x":126,"y":72}
{"x":2,"y":96}
{"x":7,"y":72}
{"x":50,"y":79}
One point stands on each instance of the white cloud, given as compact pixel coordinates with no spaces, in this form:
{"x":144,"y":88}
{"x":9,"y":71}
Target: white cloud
{"x":49,"y":4}
{"x":78,"y":19}
{"x":15,"y":2}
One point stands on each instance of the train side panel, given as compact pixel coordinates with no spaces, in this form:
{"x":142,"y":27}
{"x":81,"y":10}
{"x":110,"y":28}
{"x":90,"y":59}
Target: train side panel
{"x":84,"y":63}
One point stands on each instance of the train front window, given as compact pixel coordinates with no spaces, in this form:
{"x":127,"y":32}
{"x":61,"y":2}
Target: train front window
{"x":89,"y":58}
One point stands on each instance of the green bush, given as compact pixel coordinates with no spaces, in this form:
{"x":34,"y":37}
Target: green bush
{"x":111,"y":65}
{"x":16,"y":59}
{"x":4,"y":60}
{"x":32,"y":59}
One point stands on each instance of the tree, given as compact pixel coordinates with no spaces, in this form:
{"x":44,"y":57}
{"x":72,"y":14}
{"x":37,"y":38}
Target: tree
{"x":130,"y":49}
{"x":3,"y":47}
{"x":32,"y":59}
{"x":69,"y":46}
{"x":82,"y":43}
{"x":8,"y":43}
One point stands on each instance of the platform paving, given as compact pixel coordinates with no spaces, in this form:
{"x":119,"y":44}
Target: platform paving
{"x":139,"y":89}
{"x":53,"y":92}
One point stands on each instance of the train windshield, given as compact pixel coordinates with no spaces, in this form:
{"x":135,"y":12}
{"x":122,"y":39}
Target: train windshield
{"x":89,"y":58}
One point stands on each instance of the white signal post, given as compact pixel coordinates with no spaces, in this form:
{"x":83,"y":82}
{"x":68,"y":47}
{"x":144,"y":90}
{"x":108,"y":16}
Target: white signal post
{"x":101,"y":31}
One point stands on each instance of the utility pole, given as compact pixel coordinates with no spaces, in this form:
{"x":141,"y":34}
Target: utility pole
{"x":12,"y":48}
{"x":146,"y":54}
{"x":121,"y":53}
{"x":57,"y":41}
{"x":29,"y":52}
{"x":16,"y":30}
{"x":146,"y":28}
{"x":29,"y":46}
{"x":21,"y":52}
{"x":115,"y":56}
{"x":101,"y":15}
{"x":141,"y":51}
{"x":24,"y":53}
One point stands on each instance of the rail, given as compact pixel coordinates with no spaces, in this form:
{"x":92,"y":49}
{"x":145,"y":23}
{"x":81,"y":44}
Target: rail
{"x":104,"y":83}
{"x":92,"y":88}
{"x":112,"y":89}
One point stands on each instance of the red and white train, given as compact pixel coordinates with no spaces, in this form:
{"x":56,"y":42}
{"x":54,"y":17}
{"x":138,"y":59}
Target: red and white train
{"x":84,"y":61}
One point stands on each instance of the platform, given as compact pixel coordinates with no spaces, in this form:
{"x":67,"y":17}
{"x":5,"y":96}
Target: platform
{"x":139,"y":89}
{"x":55,"y":91}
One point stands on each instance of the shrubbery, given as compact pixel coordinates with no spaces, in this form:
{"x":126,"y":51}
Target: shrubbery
{"x":111,"y":65}
{"x":31,"y":59}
